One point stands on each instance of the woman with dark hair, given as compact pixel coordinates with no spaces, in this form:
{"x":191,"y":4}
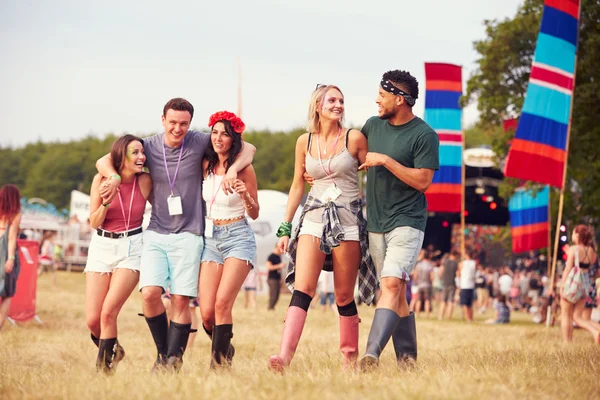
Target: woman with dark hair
{"x":10,"y":218}
{"x":575,"y":285}
{"x":113,"y":264}
{"x":331,"y":233}
{"x":230,"y":247}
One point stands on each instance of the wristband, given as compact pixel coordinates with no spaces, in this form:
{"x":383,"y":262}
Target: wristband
{"x":105,"y":205}
{"x":285,"y":229}
{"x":116,"y":176}
{"x":11,"y":257}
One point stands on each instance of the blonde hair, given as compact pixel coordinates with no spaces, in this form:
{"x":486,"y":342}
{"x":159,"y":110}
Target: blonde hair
{"x":316,"y":101}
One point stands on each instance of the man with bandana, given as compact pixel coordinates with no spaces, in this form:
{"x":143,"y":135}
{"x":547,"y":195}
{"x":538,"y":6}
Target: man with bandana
{"x":403,"y":155}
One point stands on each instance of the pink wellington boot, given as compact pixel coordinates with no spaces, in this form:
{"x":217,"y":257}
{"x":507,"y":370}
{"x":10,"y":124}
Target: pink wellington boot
{"x":349,"y":340}
{"x":292,"y":330}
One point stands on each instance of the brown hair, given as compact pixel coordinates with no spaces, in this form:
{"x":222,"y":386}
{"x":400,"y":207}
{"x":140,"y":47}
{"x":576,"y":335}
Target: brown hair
{"x":10,"y":202}
{"x":118,"y":150}
{"x":179,"y":104}
{"x":584,"y":235}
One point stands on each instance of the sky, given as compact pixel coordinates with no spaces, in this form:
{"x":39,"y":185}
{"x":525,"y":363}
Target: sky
{"x":74,"y":68}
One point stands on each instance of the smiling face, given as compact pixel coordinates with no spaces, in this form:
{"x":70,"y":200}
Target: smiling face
{"x":388,"y":103}
{"x":220,"y":139}
{"x":332,"y":107}
{"x":134,"y":157}
{"x":176,"y":124}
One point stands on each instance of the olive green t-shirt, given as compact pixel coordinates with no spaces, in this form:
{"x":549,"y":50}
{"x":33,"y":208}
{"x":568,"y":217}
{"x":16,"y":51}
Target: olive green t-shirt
{"x":391,"y":203}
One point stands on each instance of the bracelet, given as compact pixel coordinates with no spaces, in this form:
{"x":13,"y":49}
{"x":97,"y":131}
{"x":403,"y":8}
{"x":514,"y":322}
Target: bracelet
{"x":11,"y":257}
{"x":105,"y":205}
{"x":116,"y":176}
{"x":285,"y":229}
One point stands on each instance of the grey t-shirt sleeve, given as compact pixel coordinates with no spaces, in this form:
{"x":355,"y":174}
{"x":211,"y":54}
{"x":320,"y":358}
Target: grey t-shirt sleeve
{"x":427,"y":151}
{"x":201,"y":139}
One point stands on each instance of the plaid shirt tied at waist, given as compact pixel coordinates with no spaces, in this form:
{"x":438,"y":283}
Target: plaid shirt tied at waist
{"x":333,"y":234}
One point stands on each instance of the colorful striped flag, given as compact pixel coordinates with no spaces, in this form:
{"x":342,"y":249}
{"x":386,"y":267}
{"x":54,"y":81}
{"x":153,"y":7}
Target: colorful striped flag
{"x":538,"y":152}
{"x":443,"y":88}
{"x":529,"y":219}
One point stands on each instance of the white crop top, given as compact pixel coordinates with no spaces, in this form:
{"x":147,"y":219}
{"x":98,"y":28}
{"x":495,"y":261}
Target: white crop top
{"x":218,"y":204}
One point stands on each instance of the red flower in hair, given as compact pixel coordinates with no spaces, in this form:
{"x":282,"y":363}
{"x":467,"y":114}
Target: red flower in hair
{"x":236,"y":123}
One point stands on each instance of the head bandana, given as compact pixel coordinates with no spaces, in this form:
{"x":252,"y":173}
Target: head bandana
{"x":389,"y":87}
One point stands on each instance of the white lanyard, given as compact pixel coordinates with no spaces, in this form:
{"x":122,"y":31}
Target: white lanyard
{"x":128,"y":220}
{"x":214,"y":194}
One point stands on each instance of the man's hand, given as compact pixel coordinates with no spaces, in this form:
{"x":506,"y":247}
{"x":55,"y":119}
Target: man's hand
{"x":307,"y":178}
{"x":109,"y":189}
{"x":229,"y":181}
{"x":373,"y":160}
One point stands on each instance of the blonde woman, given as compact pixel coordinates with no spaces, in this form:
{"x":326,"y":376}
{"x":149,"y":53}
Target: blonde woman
{"x":331,"y":233}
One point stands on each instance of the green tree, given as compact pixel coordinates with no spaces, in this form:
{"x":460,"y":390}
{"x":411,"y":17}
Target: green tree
{"x":500,"y":82}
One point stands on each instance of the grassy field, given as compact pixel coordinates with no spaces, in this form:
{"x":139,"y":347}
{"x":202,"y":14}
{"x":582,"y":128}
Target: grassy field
{"x":456,"y":360}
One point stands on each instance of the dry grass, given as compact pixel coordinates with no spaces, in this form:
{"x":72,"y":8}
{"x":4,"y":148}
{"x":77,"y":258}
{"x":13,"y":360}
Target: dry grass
{"x":523,"y":360}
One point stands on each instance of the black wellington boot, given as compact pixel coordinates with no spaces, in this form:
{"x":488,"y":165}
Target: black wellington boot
{"x":221,"y":342}
{"x":176,"y":343}
{"x":384,"y":324}
{"x":159,"y":327}
{"x":230,"y":351}
{"x":106,"y":356}
{"x":405,"y":339}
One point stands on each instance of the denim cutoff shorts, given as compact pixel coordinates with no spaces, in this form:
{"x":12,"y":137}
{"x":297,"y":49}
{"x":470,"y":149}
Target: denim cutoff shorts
{"x":232,"y":240}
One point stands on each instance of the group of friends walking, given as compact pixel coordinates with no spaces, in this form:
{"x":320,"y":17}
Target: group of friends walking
{"x":202,"y":187}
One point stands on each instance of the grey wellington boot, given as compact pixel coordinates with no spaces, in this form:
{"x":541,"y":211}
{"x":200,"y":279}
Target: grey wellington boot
{"x":405,"y":339}
{"x":384,"y":324}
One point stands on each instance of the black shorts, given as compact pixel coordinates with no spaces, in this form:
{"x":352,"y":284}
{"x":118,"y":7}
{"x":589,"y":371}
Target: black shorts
{"x":466,"y":297}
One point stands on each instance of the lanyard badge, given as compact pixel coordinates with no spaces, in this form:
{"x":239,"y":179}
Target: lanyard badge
{"x":173,"y":201}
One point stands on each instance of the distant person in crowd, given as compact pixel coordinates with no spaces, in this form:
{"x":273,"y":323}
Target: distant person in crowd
{"x":194,"y":305}
{"x":331,"y":232}
{"x":449,"y":271}
{"x":326,"y":290}
{"x":46,"y":262}
{"x":423,"y":274}
{"x":113,"y":263}
{"x":251,"y":284}
{"x":502,"y":311}
{"x":173,"y":242}
{"x":10,"y":219}
{"x":403,"y":155}
{"x":274,"y":268}
{"x":481,"y":288}
{"x":505,"y":282}
{"x":466,"y":273}
{"x":575,"y":285}
{"x":230,"y":246}
{"x":437,"y":282}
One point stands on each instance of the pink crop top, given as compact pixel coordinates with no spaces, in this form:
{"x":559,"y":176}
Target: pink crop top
{"x":114,"y":221}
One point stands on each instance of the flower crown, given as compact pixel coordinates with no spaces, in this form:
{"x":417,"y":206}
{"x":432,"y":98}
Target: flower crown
{"x":236,"y":123}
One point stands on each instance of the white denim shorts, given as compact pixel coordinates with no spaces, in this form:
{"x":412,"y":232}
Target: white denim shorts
{"x":106,"y":254}
{"x":316,"y":229}
{"x":395,"y":253}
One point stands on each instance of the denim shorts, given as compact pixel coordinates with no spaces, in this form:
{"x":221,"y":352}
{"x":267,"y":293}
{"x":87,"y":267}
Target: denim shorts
{"x":171,"y":261}
{"x":395,"y":253}
{"x":232,"y":240}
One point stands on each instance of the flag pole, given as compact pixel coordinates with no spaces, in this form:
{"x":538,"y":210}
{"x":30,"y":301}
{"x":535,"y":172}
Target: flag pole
{"x":462,"y":197}
{"x":561,"y":199}
{"x":549,"y":258}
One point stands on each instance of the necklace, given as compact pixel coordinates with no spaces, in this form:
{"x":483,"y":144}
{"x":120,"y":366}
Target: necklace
{"x":334,"y":143}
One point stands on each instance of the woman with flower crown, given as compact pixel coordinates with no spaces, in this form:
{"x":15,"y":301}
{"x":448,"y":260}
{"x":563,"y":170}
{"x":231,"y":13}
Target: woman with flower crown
{"x":230,"y":248}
